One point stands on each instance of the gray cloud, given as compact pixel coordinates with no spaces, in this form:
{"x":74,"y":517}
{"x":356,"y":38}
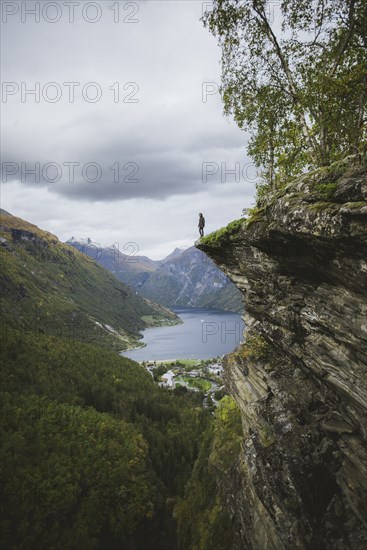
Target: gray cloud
{"x":162,"y":140}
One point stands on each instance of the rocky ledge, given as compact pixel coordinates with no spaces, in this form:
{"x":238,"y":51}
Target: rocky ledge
{"x":300,"y":377}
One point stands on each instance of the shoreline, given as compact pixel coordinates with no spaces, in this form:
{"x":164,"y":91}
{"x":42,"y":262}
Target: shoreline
{"x":205,"y":334}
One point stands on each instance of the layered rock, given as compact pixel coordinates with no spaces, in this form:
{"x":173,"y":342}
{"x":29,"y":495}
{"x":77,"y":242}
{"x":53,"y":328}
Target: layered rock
{"x":300,"y":378}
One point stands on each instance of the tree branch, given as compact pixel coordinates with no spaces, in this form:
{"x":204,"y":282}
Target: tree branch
{"x":293,"y":88}
{"x":347,"y":37}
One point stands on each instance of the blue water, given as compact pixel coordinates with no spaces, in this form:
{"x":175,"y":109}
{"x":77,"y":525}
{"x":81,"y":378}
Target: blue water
{"x":204,"y":333}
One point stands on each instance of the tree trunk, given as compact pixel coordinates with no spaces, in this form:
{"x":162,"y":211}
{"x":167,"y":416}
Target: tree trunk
{"x":292,"y":86}
{"x":361,"y":113}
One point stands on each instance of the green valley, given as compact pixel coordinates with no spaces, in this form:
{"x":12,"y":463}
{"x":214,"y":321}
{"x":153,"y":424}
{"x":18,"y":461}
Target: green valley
{"x":52,"y":288}
{"x":94,"y":453}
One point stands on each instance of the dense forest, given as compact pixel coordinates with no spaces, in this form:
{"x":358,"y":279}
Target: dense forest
{"x":96,"y":455}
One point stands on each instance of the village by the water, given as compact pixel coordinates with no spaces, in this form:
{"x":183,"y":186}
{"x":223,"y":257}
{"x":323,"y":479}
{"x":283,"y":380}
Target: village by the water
{"x":190,"y":375}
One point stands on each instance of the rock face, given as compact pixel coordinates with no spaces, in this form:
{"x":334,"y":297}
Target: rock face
{"x":300,"y":377}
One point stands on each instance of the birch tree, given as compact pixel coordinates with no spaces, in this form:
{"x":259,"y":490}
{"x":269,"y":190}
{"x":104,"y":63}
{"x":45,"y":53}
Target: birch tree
{"x":294,"y":73}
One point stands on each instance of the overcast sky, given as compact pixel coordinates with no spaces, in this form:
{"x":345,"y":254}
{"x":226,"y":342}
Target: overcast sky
{"x":135,"y":145}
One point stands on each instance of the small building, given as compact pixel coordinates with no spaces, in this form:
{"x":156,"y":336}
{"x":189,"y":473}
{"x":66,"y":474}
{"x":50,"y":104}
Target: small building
{"x":167,"y":379}
{"x":216,"y":369}
{"x":194,"y":373}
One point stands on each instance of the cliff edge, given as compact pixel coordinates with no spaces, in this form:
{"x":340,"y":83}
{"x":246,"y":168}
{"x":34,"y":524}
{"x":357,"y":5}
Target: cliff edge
{"x":300,"y":377}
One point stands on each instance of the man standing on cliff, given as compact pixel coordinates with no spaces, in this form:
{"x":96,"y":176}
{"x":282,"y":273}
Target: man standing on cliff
{"x":201,"y":225}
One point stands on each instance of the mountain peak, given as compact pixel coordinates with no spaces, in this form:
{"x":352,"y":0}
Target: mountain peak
{"x":83,"y":241}
{"x":177,"y":252}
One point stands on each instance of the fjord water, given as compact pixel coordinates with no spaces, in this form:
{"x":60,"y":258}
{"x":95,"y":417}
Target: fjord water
{"x":204,"y":333}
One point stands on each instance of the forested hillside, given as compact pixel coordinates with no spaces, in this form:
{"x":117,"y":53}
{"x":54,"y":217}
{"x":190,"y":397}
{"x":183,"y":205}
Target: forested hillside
{"x":94,"y":453}
{"x":184,"y":278}
{"x":52,"y":288}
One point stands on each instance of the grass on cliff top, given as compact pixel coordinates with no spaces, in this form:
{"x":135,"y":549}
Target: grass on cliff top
{"x":222,"y":234}
{"x":347,"y":166}
{"x":324,"y":183}
{"x":324,"y":179}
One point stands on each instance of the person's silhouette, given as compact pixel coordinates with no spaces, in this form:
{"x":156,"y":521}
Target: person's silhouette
{"x":201,"y":225}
